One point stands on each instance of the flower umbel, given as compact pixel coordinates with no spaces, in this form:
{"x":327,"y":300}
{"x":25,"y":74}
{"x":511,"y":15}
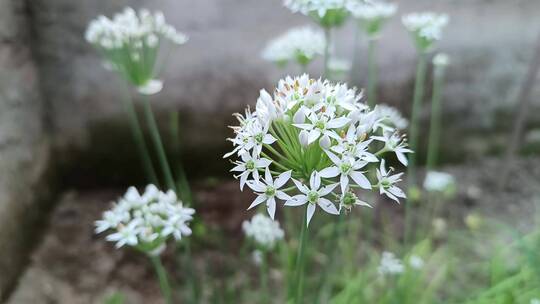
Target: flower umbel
{"x":320,"y":136}
{"x":146,"y":221}
{"x":426,"y":28}
{"x":264,"y":231}
{"x":301,"y":45}
{"x":130,"y":42}
{"x":371,"y":15}
{"x":329,"y":13}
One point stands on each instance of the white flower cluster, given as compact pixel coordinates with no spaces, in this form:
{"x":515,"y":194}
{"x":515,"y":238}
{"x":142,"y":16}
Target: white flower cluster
{"x":131,"y":29}
{"x":426,"y":27}
{"x":390,"y":264}
{"x":439,"y":181}
{"x":372,"y":15}
{"x":146,"y":221}
{"x":319,"y":6}
{"x":263,"y":230}
{"x":319,"y":136}
{"x":130,"y":42}
{"x":299,"y":44}
{"x":393,"y":116}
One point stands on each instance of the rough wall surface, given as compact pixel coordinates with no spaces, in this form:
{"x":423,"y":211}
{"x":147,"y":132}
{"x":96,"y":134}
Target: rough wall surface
{"x":24,"y":146}
{"x":219,"y":70}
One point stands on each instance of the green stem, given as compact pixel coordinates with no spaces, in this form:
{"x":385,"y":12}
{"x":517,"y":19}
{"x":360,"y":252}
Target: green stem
{"x":162,"y":277}
{"x":435,"y":124}
{"x":264,"y":278}
{"x":372,"y":74}
{"x":158,"y":144}
{"x":300,"y":261}
{"x":413,"y":135}
{"x":138,"y":136}
{"x":328,"y":43}
{"x":415,"y":116}
{"x":354,"y":75}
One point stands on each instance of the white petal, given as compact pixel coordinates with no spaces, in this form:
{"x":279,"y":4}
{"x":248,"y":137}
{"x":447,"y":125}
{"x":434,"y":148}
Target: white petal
{"x":360,"y":179}
{"x":300,"y":186}
{"x":309,"y":212}
{"x":315,"y":180}
{"x":297,"y":200}
{"x":282,"y":195}
{"x":271,"y":207}
{"x":257,"y":201}
{"x":327,"y":189}
{"x":327,"y":206}
{"x":344,"y":182}
{"x":313,"y":135}
{"x":402,"y":158}
{"x":338,"y":122}
{"x":329,"y":172}
{"x":282,"y":179}
{"x":256,"y":186}
{"x":243,"y":178}
{"x":333,"y":158}
{"x":268,"y":139}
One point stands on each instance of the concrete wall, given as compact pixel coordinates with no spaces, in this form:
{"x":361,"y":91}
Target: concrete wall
{"x":24,"y":145}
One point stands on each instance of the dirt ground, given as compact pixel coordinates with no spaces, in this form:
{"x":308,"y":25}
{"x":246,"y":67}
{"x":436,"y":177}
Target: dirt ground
{"x":71,"y":265}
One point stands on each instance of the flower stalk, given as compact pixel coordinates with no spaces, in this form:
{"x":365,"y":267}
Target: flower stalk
{"x":435,"y":123}
{"x":162,"y":277}
{"x":372,"y":73}
{"x":300,"y":263}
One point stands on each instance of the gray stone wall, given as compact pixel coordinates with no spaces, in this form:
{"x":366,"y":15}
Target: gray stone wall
{"x":24,"y":145}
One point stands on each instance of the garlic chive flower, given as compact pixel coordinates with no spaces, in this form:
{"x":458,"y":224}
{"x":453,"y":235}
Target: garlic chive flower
{"x":393,"y":142}
{"x":146,"y":221}
{"x":264,"y":231}
{"x":130,"y":42}
{"x":390,"y":265}
{"x":386,"y":183}
{"x":268,"y":190}
{"x":329,"y":13}
{"x":372,"y":15}
{"x":426,"y":28}
{"x":300,"y":45}
{"x":392,"y":116}
{"x":312,"y":131}
{"x":313,"y":196}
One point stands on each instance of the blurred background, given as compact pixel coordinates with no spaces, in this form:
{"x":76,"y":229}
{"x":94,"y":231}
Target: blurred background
{"x":66,"y":150}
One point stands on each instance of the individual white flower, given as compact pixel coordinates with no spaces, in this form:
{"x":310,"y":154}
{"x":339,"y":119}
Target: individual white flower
{"x":386,"y":183}
{"x":300,"y":44}
{"x":392,"y":115}
{"x":322,"y":125}
{"x":263,"y":230}
{"x":426,"y":28}
{"x":268,"y":190}
{"x":250,"y":165}
{"x":390,"y":265}
{"x":146,"y":221}
{"x":354,"y":146}
{"x":438,"y":181}
{"x":441,"y":60}
{"x":350,"y":199}
{"x":313,"y":196}
{"x":416,"y":262}
{"x":130,"y":41}
{"x":346,"y":167}
{"x":372,"y":15}
{"x":395,"y":143}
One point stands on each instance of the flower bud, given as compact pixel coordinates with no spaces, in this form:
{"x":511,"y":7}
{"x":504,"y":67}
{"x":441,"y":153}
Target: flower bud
{"x":325,"y":142}
{"x":303,"y":137}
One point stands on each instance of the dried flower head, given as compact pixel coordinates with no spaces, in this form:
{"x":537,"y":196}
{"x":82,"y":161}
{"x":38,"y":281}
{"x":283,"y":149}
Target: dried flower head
{"x":146,"y":221}
{"x":372,"y":15}
{"x":263,"y":231}
{"x":130,"y":43}
{"x":301,"y":45}
{"x":426,"y":28}
{"x":311,"y":143}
